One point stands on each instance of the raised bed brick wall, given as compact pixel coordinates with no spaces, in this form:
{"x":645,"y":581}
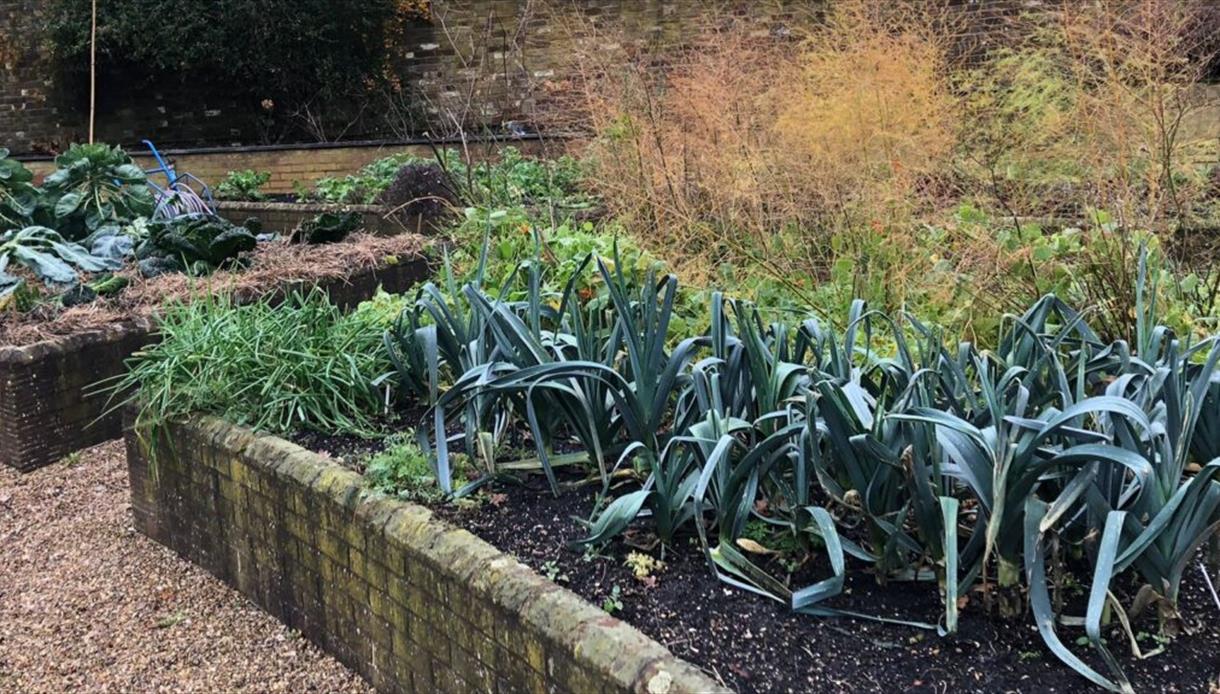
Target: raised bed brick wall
{"x":293,"y":168}
{"x":410,"y":602}
{"x":284,"y":217}
{"x":47,"y":407}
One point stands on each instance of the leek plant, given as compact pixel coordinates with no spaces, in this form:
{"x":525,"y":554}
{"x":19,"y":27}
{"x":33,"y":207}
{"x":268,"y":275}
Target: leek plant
{"x":994,"y":472}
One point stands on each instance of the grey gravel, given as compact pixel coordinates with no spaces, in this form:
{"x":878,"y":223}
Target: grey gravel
{"x":87,"y":604}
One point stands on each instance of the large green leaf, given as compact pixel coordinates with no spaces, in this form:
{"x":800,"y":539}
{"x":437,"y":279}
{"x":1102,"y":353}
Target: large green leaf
{"x":68,"y":204}
{"x":47,"y":267}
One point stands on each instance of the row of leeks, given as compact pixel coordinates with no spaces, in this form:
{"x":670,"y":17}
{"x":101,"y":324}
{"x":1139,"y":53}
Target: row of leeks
{"x":878,"y":444}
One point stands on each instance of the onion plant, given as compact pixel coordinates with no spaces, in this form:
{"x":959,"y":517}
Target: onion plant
{"x":300,"y":363}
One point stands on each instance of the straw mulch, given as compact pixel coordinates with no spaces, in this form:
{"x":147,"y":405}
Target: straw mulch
{"x":273,"y":265}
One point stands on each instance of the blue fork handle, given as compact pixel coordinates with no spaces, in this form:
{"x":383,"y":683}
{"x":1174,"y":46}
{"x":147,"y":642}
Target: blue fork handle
{"x":157,"y":155}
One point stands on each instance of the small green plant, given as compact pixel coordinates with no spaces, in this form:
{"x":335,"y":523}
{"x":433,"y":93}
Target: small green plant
{"x":403,"y":470}
{"x":511,"y":180}
{"x":243,"y":185}
{"x":614,"y":601}
{"x":364,"y":186}
{"x":1157,"y":638}
{"x":171,"y":620}
{"x":21,"y":297}
{"x":383,"y":309}
{"x":643,"y":565}
{"x":515,"y":179}
{"x":551,"y":570}
{"x":327,"y":227}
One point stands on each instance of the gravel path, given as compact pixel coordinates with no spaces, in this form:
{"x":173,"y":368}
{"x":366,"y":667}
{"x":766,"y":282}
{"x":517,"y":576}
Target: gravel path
{"x":87,"y":604}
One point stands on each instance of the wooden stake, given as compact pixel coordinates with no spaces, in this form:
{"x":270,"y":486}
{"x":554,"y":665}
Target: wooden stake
{"x":92,"y":71}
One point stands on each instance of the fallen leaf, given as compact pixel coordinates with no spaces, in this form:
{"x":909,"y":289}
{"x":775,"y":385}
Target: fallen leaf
{"x":753,"y":547}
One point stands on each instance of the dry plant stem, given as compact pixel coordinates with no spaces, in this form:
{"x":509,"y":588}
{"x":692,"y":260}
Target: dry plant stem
{"x":840,"y":143}
{"x":1211,"y":588}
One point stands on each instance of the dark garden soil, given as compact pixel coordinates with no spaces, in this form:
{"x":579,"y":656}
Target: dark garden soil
{"x":352,"y":451}
{"x":753,"y":644}
{"x":348,"y":450}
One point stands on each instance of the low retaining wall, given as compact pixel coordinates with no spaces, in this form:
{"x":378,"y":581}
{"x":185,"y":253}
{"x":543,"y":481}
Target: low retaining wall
{"x":45,"y":413}
{"x":283,"y":217}
{"x":410,"y":602}
{"x":294,"y":166}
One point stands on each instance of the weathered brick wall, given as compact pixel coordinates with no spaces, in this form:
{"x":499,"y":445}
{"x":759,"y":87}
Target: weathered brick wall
{"x":44,"y":411}
{"x":39,"y":115}
{"x":510,"y":43}
{"x":410,"y":602}
{"x":289,"y":167}
{"x":496,"y":56}
{"x":285,"y":217}
{"x":49,"y":404}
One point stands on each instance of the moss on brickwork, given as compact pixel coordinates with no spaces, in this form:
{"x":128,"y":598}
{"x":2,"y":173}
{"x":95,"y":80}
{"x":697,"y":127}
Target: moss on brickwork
{"x":413,"y":604}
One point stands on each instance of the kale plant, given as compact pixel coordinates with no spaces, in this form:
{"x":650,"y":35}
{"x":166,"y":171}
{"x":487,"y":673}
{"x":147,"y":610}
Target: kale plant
{"x":18,"y":196}
{"x":194,"y":244}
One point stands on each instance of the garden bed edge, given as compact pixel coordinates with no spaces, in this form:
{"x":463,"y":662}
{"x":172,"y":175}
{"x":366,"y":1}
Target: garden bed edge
{"x":285,"y":217}
{"x":406,"y":599}
{"x":47,"y":407}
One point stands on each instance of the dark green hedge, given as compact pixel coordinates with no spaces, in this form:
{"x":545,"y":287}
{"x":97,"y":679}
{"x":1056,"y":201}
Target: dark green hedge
{"x":290,"y":51}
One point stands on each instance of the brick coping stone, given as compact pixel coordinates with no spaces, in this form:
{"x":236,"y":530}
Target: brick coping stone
{"x":399,"y":595}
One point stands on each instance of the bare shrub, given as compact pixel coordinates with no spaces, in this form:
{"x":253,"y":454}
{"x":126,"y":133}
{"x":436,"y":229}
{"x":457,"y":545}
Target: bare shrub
{"x":754,"y":145}
{"x":835,"y":154}
{"x":421,"y":197}
{"x":1092,"y":99}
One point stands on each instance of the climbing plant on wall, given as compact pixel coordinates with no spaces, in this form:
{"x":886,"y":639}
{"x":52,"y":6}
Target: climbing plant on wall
{"x":292,"y":58}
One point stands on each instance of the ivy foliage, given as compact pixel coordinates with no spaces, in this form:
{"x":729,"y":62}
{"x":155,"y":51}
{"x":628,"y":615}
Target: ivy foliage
{"x":291,"y":50}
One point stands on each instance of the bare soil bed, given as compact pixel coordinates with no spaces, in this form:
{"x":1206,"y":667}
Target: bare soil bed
{"x":87,"y":604}
{"x":756,"y":645}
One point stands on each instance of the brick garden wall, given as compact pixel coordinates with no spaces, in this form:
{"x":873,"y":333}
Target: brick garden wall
{"x":512,"y":39}
{"x":516,"y":48}
{"x":408,"y":601}
{"x":38,"y":115}
{"x":288,"y":167}
{"x":285,"y":217}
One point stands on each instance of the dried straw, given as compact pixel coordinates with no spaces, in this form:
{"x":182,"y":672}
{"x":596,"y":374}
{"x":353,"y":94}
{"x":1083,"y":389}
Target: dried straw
{"x":274,"y":264}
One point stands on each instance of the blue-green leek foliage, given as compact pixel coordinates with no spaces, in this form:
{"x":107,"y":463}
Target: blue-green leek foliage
{"x":875,"y":445}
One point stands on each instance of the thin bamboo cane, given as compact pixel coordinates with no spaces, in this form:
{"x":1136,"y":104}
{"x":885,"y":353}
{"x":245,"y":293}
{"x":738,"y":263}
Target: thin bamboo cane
{"x":92,"y":71}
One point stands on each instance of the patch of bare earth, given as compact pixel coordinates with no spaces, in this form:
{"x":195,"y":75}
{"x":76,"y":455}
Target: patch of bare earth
{"x":88,"y":604}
